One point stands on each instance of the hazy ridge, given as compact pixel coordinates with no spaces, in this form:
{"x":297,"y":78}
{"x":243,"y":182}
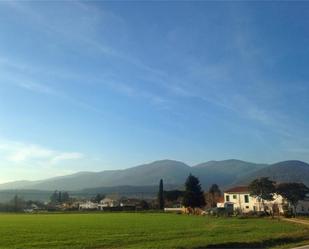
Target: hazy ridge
{"x":224,"y":173}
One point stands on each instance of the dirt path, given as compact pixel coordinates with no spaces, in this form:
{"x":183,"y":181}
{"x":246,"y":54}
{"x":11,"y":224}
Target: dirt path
{"x":301,"y":247}
{"x":295,"y":220}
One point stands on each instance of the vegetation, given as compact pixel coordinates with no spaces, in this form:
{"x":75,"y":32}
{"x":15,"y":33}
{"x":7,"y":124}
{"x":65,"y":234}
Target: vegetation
{"x":98,"y":198}
{"x":193,"y":196}
{"x":213,"y":195}
{"x":138,"y":230}
{"x":160,"y":195}
{"x":293,"y":192}
{"x":59,"y":197}
{"x":263,"y":189}
{"x":173,"y":195}
{"x":18,"y":204}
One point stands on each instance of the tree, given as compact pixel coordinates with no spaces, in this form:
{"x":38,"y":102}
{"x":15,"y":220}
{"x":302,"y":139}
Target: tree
{"x":54,"y":197}
{"x":213,"y":195}
{"x":160,"y":195}
{"x":144,"y":205}
{"x":293,"y":192}
{"x":59,"y":197}
{"x":98,"y":198}
{"x":193,"y":196}
{"x":17,"y":203}
{"x":263,"y":189}
{"x":173,"y":195}
{"x":65,"y":197}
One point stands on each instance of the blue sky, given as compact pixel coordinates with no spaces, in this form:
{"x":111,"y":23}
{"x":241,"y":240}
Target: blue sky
{"x":108,"y":85}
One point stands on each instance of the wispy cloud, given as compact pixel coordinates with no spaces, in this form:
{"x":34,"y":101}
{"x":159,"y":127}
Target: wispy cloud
{"x":40,"y":88}
{"x":25,"y":153}
{"x":83,"y":27}
{"x":211,"y":83}
{"x":204,"y":81}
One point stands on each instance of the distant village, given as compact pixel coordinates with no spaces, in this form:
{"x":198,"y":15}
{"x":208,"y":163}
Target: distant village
{"x":261,"y":197}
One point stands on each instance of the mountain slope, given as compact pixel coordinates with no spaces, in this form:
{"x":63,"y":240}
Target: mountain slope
{"x":287,"y":171}
{"x":224,"y":173}
{"x":173,"y":172}
{"x":16,"y":185}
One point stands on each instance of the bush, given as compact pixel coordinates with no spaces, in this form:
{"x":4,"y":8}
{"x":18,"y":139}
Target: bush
{"x":287,"y":212}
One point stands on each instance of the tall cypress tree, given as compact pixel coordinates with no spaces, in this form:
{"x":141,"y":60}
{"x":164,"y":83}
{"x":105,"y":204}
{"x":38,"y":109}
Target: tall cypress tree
{"x":160,"y":195}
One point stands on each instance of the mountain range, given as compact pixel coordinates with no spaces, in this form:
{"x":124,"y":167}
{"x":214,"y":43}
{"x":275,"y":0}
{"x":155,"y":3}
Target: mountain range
{"x":174,"y":173}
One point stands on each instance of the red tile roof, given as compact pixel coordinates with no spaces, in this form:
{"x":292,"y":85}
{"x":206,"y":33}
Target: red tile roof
{"x":238,"y":189}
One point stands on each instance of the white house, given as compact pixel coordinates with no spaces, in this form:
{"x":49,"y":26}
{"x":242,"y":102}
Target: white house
{"x":33,"y":207}
{"x":108,"y":202}
{"x":239,"y":198}
{"x":88,"y":205}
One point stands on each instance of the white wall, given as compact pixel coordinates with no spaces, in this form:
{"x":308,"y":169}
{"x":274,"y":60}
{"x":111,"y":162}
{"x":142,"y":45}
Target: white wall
{"x":239,"y":202}
{"x":88,"y":205}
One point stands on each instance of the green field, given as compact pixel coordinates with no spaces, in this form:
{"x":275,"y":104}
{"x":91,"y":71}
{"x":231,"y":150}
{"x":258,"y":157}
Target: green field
{"x":138,"y":230}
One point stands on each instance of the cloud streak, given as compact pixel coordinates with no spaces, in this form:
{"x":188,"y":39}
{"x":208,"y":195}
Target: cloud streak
{"x":25,"y":153}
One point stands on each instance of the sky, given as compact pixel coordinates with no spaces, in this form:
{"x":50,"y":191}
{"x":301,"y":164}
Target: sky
{"x":91,"y":86}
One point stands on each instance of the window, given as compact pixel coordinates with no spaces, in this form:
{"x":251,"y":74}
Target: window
{"x":247,"y":207}
{"x":234,"y":197}
{"x":227,"y":198}
{"x":246,"y":198}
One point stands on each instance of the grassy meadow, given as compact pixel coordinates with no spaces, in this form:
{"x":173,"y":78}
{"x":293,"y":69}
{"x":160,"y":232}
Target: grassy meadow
{"x":145,"y":230}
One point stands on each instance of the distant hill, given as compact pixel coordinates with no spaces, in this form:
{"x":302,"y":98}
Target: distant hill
{"x":287,"y":171}
{"x":16,"y":185}
{"x":173,"y":172}
{"x":224,"y":173}
{"x":145,"y":178}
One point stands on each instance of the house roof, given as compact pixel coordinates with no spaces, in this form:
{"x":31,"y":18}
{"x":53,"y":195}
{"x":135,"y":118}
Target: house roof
{"x":238,"y":189}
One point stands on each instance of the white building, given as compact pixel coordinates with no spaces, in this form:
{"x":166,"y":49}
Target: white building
{"x":239,"y":198}
{"x":89,"y":205}
{"x":108,"y":202}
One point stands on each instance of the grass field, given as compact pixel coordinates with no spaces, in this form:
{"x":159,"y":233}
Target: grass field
{"x":138,"y":230}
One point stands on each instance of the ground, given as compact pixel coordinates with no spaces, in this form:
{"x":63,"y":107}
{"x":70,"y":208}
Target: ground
{"x":146,"y":230}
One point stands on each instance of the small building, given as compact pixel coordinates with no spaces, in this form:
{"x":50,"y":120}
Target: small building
{"x":108,"y":203}
{"x":32,"y":208}
{"x":129,"y":202}
{"x":88,"y":205}
{"x":176,"y":208}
